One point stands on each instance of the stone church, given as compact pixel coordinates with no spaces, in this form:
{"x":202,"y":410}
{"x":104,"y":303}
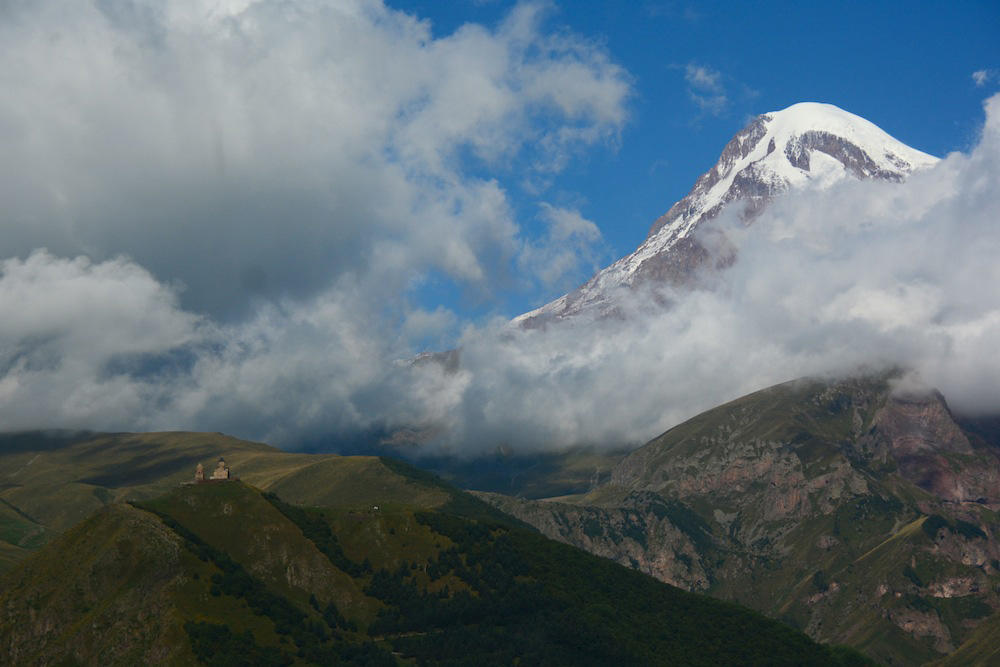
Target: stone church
{"x":221,"y":473}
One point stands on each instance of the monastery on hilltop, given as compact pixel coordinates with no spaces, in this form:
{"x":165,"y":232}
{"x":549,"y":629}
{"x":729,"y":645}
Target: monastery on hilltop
{"x":220,"y":474}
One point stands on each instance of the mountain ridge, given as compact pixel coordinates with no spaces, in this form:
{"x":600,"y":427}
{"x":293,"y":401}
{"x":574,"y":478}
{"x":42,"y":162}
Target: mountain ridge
{"x":858,"y":514}
{"x":795,"y":501}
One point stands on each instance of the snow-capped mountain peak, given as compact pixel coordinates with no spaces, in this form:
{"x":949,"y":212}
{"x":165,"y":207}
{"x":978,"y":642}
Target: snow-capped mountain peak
{"x":818,"y":143}
{"x":806,"y":145}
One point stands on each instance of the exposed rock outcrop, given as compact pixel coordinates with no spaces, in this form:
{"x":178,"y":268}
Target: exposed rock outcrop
{"x":932,"y":451}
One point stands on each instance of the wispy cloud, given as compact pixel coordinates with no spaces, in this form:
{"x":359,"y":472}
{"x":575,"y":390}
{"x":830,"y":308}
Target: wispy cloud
{"x":672,"y":10}
{"x":984,"y":76}
{"x":567,"y":252}
{"x":706,"y":89}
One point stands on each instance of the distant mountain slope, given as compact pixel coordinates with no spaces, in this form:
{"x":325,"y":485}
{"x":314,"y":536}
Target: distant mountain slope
{"x":807,"y":145}
{"x":858,"y":515}
{"x":222,"y":574}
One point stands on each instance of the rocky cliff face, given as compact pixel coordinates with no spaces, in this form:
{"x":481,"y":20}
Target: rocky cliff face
{"x":862,"y":516}
{"x":804,"y":146}
{"x":932,"y":452}
{"x":637,"y":532}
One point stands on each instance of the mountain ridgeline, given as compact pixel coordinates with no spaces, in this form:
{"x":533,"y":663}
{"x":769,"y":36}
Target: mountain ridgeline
{"x":222,"y":573}
{"x":861,"y":516}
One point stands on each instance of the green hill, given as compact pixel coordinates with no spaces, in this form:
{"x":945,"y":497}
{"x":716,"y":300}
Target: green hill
{"x":223,"y":573}
{"x":859,"y":517}
{"x":55,"y":480}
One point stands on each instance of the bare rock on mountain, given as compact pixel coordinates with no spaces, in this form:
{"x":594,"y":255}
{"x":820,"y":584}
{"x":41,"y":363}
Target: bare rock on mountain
{"x":932,"y":451}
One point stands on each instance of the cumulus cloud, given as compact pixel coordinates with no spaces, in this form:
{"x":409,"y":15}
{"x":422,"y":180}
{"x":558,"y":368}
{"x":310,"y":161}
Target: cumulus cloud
{"x":252,"y":151}
{"x":859,"y":275}
{"x":864,"y":275}
{"x":69,"y":325}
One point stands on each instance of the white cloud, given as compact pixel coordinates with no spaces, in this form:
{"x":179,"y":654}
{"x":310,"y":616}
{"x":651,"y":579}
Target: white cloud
{"x":262,"y":150}
{"x":863,"y":275}
{"x":983,"y":76}
{"x":567,"y":253}
{"x":281,"y":175}
{"x":858,"y":275}
{"x":706,"y":89}
{"x":67,"y":327}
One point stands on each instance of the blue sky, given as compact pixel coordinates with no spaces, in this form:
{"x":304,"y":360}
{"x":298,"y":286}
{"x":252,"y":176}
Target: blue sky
{"x":905,"y":66}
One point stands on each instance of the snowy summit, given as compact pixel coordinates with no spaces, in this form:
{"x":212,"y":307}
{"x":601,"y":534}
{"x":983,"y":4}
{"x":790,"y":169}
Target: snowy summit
{"x":806,"y":145}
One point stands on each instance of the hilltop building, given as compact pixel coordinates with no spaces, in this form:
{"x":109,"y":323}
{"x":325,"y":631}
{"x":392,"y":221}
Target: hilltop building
{"x":220,"y":474}
{"x":221,"y":471}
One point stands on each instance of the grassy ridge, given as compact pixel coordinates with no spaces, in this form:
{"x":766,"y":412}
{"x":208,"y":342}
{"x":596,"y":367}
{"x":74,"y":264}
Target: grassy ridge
{"x":56,"y":480}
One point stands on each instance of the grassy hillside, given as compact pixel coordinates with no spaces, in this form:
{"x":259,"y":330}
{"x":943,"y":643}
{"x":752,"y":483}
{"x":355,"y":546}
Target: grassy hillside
{"x":99,"y":595}
{"x":222,"y":572}
{"x":55,"y":480}
{"x":801,"y":501}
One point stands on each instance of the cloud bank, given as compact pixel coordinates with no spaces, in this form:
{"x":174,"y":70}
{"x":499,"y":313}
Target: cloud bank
{"x":254,"y":151}
{"x":218,"y":216}
{"x":861,"y":276}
